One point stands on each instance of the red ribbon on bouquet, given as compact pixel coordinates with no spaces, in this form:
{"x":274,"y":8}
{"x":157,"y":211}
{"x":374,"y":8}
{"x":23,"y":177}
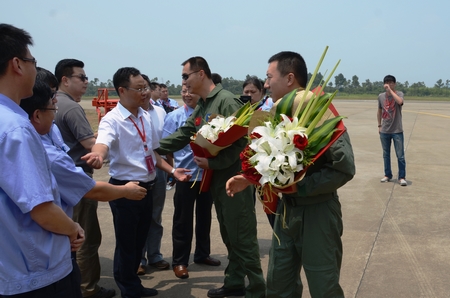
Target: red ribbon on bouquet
{"x":204,"y":148}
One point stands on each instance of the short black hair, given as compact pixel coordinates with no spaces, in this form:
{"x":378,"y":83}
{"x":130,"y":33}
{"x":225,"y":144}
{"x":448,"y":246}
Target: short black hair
{"x":198,"y":63}
{"x":42,"y":94}
{"x":13,"y":43}
{"x":389,"y":78}
{"x":291,"y":62}
{"x":162,"y":85}
{"x":47,"y":77}
{"x":122,"y":77}
{"x":64,"y":68}
{"x":146,"y":79}
{"x":216,"y":78}
{"x":154,"y":85}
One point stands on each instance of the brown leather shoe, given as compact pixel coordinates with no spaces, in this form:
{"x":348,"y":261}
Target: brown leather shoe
{"x":161,"y":265}
{"x":209,"y":261}
{"x":181,"y":271}
{"x":141,"y":270}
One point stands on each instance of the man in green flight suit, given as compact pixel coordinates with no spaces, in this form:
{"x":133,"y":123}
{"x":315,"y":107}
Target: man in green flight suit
{"x":237,"y":217}
{"x":309,"y":219}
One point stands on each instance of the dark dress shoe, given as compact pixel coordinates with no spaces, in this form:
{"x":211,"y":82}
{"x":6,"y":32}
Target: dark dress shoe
{"x":181,"y":271}
{"x":224,"y":292}
{"x":104,"y":293}
{"x":148,"y":292}
{"x":209,"y":261}
{"x":161,"y":265}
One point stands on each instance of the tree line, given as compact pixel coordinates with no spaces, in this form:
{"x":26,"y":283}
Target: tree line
{"x":341,"y":83}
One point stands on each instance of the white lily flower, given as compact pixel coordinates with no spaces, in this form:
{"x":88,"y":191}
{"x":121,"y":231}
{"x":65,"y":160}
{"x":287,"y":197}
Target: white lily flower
{"x":213,"y":128}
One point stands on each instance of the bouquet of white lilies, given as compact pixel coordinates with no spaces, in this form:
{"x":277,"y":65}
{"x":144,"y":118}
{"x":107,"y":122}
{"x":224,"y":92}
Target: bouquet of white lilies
{"x":282,"y":147}
{"x":218,"y":134}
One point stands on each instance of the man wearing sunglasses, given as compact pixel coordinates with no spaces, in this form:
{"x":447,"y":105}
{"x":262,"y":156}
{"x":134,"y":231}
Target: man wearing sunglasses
{"x":78,"y":135}
{"x":237,"y":217}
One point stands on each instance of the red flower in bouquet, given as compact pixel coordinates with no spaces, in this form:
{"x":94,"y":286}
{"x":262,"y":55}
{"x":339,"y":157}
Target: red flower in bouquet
{"x":300,"y":141}
{"x":255,"y":135}
{"x":247,"y":168}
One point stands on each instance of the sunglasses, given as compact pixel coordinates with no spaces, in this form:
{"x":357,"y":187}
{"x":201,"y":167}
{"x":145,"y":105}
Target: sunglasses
{"x":82,"y":77}
{"x":185,"y":76}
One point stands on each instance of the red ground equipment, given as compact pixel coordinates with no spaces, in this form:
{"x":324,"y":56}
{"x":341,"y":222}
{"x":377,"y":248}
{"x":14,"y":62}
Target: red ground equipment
{"x":102,"y":101}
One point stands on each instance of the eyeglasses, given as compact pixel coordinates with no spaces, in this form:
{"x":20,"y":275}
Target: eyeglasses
{"x":184,"y":92}
{"x":185,"y":76}
{"x":32,"y":60}
{"x":140,"y":90}
{"x":82,"y":77}
{"x":55,"y":109}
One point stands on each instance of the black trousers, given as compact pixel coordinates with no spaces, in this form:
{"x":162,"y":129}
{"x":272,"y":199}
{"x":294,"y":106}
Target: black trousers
{"x":184,"y":200}
{"x":131,"y":224}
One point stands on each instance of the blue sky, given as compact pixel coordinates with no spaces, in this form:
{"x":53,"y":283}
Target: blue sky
{"x":372,"y":38}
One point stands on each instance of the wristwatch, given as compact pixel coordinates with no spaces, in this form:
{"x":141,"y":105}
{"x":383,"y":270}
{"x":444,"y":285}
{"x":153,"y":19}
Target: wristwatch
{"x":173,"y":171}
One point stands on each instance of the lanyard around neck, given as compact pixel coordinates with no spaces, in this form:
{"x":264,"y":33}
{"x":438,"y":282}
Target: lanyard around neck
{"x":141,"y":134}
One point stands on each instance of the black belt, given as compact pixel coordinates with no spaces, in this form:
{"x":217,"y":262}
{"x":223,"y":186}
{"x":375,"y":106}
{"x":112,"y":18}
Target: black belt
{"x":147,"y":185}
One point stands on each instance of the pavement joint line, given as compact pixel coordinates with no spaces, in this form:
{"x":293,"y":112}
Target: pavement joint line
{"x":425,"y":113}
{"x":375,"y":240}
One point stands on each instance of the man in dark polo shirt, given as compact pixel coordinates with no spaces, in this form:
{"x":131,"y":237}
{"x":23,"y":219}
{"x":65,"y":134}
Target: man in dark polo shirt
{"x":78,"y":135}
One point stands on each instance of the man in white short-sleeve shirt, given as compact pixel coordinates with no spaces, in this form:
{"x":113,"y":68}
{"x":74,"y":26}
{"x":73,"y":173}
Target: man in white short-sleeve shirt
{"x":127,"y":136}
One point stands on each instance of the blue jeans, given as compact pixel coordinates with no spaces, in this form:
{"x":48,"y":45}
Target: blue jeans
{"x":386,"y":139}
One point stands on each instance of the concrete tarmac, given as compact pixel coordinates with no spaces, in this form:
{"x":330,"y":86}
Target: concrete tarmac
{"x":396,"y":239}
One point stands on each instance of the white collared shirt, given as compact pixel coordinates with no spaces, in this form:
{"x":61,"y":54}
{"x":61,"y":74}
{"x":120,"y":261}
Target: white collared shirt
{"x":126,"y":148}
{"x":157,"y":115}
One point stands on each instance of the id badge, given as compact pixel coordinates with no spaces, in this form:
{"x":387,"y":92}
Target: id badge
{"x":150,"y":164}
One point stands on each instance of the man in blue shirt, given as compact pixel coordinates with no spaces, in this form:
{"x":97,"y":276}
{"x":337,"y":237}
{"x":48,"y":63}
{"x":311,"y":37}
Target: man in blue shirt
{"x":187,"y":194}
{"x":37,"y":235}
{"x":165,"y":101}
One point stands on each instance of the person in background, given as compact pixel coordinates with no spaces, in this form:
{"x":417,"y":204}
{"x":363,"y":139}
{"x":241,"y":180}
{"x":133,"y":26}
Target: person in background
{"x":187,"y":195}
{"x":30,"y":205}
{"x":50,"y":79}
{"x":128,"y":128}
{"x":153,"y":243}
{"x":216,"y":78}
{"x":390,"y":128}
{"x":155,"y":94}
{"x":254,"y":88}
{"x":79,"y":137}
{"x":237,"y":217}
{"x":168,"y":103}
{"x":268,"y":102}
